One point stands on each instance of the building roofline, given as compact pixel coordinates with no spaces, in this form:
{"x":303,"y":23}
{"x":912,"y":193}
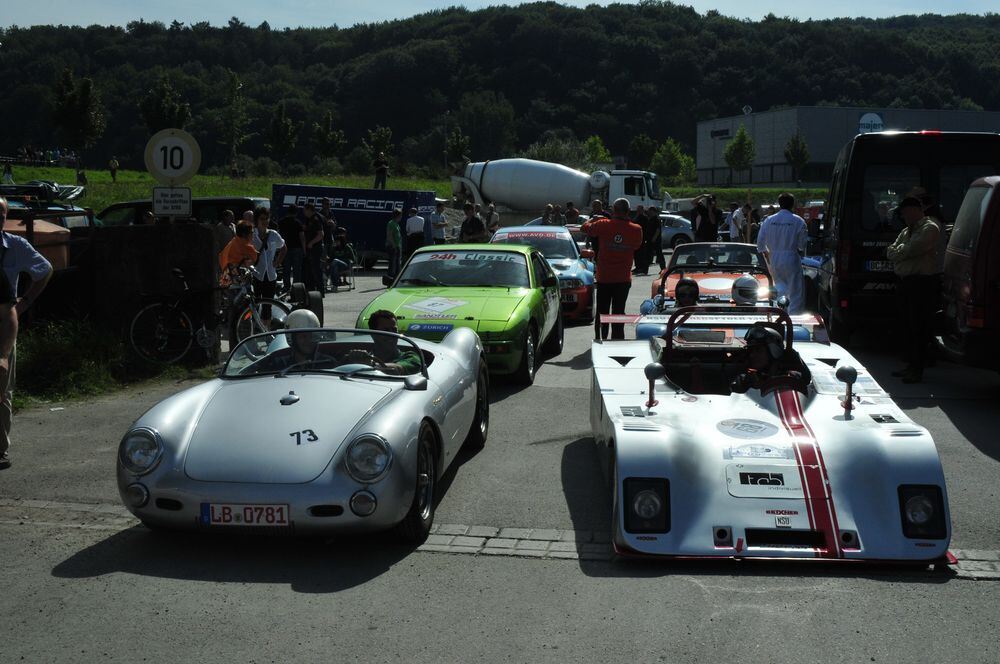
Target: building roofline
{"x":867,"y":109}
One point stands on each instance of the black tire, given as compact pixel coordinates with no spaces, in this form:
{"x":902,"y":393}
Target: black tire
{"x":243,"y":324}
{"x":298,"y":294}
{"x":480,"y":429}
{"x":525,"y":373}
{"x":314,"y":303}
{"x":416,"y":525}
{"x":679,"y":240}
{"x":160,"y":333}
{"x":554,"y":344}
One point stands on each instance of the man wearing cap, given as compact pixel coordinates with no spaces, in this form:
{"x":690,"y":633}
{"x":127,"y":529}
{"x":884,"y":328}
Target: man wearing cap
{"x":620,"y":238}
{"x":915,"y":260}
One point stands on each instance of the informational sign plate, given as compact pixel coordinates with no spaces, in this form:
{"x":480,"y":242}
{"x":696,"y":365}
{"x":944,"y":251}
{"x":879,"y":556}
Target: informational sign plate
{"x":171,"y":201}
{"x":172,"y":157}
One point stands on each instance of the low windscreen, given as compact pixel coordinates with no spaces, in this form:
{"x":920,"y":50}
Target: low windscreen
{"x":720,"y":255}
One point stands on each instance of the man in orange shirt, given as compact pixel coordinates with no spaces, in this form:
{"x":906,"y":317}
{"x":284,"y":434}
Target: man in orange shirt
{"x":619,"y":238}
{"x":240,"y":252}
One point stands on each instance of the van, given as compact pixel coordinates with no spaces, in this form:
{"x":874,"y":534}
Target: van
{"x":207,"y":210}
{"x":855,"y":281}
{"x":971,"y":312}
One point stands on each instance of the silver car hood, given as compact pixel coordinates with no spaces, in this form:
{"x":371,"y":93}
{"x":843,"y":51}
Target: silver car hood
{"x":246,"y":435}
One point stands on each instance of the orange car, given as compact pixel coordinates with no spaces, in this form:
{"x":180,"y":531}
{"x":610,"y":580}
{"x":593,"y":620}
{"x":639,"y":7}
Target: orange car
{"x":715,"y":266}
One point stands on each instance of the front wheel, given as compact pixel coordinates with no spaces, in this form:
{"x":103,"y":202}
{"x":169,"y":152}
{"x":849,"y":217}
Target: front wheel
{"x":160,"y":333}
{"x":526,"y":371}
{"x":251,"y":319}
{"x":416,"y":525}
{"x":481,"y":423}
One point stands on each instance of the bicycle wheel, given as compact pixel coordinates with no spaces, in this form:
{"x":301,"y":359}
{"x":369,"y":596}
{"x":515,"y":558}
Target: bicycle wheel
{"x":250,"y":322}
{"x":160,"y":333}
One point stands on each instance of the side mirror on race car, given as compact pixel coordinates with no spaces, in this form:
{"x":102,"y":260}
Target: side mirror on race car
{"x":416,"y":383}
{"x":783,"y":302}
{"x":387,"y":280}
{"x":847,"y":375}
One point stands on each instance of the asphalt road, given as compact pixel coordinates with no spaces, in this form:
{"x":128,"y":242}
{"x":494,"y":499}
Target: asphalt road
{"x":81,"y":581}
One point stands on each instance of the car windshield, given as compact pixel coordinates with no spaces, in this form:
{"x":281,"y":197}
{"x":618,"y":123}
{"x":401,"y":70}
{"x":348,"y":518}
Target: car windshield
{"x":550,"y":244}
{"x":367,"y":353}
{"x":717,"y":255}
{"x":466,"y":267}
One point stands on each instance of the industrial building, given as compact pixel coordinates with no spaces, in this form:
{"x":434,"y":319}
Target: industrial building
{"x":826,"y":129}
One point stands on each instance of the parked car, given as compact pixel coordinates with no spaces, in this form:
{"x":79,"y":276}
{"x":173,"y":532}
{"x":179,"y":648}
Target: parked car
{"x":204,"y":210}
{"x":308,"y":432}
{"x":507,"y":294}
{"x":971,"y":304}
{"x":676,"y":230}
{"x":574,"y":268}
{"x":873,"y":173}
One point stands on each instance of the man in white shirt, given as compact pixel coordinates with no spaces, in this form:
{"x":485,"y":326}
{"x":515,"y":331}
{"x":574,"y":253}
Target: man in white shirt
{"x":439,"y":223}
{"x":414,"y":228}
{"x":491,"y":218}
{"x":782,"y":240}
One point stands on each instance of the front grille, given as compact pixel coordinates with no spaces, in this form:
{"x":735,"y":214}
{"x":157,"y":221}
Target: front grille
{"x":785,"y":539}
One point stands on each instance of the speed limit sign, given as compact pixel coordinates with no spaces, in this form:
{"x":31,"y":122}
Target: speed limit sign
{"x":172,"y":156}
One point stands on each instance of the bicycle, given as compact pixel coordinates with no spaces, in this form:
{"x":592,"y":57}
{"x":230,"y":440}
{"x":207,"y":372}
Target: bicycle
{"x":162,"y":332}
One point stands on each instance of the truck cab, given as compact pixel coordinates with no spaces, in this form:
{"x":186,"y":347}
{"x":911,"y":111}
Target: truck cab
{"x":639,"y":187}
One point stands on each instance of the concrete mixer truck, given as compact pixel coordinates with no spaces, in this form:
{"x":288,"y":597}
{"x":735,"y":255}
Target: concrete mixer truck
{"x":528,"y":185}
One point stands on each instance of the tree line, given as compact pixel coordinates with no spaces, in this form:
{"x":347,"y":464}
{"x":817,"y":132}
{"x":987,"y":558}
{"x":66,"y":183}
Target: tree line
{"x":574,"y":84}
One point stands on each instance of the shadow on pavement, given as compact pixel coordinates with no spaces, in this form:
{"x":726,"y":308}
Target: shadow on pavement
{"x":589,"y":501}
{"x":578,"y":362}
{"x":306,"y":565}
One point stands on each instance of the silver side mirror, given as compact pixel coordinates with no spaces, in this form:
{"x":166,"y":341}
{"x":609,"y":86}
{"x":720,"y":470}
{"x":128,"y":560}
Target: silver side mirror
{"x":415,"y":383}
{"x":848,"y":375}
{"x":783,"y":302}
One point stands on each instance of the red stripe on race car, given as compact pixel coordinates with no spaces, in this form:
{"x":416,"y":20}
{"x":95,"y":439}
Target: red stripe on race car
{"x":812,"y":468}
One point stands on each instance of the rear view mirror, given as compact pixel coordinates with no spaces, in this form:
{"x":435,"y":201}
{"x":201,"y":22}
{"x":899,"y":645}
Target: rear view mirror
{"x":586,"y":253}
{"x":387,"y":280}
{"x":549,"y":282}
{"x":415,"y":383}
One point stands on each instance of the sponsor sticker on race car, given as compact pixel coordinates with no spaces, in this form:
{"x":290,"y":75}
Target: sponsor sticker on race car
{"x":435,"y":305}
{"x":758,"y":451}
{"x":430,"y":327}
{"x":763,"y":481}
{"x":746,"y":429}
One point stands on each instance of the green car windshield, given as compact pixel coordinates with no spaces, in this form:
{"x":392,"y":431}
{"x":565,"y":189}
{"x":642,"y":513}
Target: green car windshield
{"x":553,"y":245}
{"x":466,"y":268}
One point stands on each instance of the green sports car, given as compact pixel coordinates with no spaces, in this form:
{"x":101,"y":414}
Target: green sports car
{"x":508,"y":294}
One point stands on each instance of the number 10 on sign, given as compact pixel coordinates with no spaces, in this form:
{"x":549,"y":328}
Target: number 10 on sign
{"x":172,"y":157}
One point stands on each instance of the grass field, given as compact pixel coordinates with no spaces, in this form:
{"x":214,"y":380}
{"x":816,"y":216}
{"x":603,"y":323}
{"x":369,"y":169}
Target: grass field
{"x":131,"y":185}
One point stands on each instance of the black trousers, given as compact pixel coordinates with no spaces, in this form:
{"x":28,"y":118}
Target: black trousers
{"x":414,"y":242}
{"x":657,"y":249}
{"x":265,"y":289}
{"x":611,"y":298}
{"x":918,"y":302}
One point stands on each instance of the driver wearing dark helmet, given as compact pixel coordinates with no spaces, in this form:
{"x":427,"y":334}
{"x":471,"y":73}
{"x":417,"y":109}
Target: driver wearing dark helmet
{"x":770,"y":366}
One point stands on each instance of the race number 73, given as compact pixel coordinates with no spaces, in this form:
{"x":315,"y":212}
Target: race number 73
{"x":308,"y":434}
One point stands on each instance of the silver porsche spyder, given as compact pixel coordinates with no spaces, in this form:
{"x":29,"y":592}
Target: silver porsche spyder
{"x":310,"y":431}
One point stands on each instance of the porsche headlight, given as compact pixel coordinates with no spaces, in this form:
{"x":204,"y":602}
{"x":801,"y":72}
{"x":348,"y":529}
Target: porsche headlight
{"x":368,"y":458}
{"x":922,"y":511}
{"x":570,"y":283}
{"x":140,"y":450}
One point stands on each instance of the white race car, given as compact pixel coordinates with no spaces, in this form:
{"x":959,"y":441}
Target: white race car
{"x":721,"y":439}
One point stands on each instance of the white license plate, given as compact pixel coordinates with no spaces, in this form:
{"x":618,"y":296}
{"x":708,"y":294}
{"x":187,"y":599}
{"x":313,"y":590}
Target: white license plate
{"x":878,"y":266}
{"x":244,"y":514}
{"x":569,"y":297}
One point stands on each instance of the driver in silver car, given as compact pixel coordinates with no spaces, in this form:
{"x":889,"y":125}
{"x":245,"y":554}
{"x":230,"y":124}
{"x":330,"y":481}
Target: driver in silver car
{"x":387,"y":357}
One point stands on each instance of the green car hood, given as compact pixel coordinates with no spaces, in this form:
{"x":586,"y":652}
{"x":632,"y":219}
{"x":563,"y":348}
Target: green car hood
{"x":460,"y":307}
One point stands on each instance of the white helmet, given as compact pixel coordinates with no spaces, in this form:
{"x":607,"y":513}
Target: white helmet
{"x":745,"y":290}
{"x":300,"y":319}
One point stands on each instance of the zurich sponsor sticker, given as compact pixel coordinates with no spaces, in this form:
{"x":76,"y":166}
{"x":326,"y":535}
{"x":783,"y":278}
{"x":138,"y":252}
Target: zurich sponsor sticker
{"x":430,"y":327}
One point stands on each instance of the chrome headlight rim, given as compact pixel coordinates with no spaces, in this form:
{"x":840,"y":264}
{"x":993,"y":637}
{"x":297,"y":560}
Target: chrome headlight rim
{"x":918,"y":504}
{"x":150,"y":434}
{"x":363,"y":478}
